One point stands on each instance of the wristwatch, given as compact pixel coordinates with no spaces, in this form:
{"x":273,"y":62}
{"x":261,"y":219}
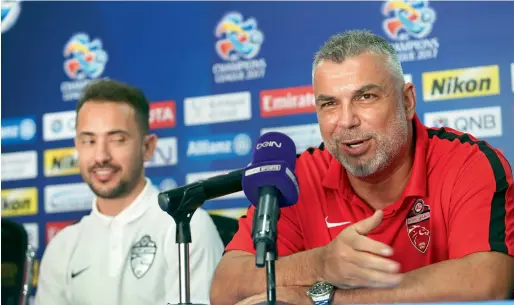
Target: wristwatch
{"x":321,"y":293}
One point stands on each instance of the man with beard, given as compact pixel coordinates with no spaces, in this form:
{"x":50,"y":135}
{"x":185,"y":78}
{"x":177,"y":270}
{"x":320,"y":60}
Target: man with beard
{"x":389,"y":211}
{"x":124,"y":251}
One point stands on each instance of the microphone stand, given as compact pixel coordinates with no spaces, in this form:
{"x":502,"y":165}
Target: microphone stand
{"x":265,"y":237}
{"x":193,"y":198}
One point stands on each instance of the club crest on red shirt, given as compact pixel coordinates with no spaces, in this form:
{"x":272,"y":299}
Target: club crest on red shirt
{"x":418,"y":225}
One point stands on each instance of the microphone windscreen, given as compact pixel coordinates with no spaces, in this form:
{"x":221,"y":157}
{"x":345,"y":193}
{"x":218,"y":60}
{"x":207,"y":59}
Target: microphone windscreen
{"x":275,"y":146}
{"x":273,"y":164}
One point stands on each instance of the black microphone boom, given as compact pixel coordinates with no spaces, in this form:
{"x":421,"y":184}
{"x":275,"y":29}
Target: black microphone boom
{"x":214,"y":187}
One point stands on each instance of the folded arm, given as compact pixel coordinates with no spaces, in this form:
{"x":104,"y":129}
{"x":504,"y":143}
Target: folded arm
{"x":479,"y":276}
{"x":476,"y":277}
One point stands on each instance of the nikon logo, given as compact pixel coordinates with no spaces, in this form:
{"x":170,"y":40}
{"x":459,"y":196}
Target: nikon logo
{"x":60,"y":162}
{"x":461,"y":83}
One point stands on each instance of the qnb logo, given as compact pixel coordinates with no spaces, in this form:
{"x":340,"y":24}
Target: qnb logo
{"x":269,"y":144}
{"x":470,"y":124}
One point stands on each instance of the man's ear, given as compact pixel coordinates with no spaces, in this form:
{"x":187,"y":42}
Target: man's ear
{"x":409,"y":100}
{"x":150,"y":142}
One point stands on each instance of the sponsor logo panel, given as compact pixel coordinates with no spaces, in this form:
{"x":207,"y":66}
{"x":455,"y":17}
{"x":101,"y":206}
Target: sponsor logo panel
{"x":479,"y":122}
{"x":165,"y":153}
{"x":164,"y":183}
{"x":162,"y":114}
{"x":68,"y":198}
{"x":54,"y":227}
{"x":61,"y":162}
{"x":228,"y":145}
{"x":33,"y":234}
{"x":19,"y":130}
{"x":461,"y":83}
{"x":19,"y":202}
{"x":287,"y":101}
{"x":19,"y":165}
{"x":303,"y":136}
{"x":220,"y":108}
{"x":59,"y":125}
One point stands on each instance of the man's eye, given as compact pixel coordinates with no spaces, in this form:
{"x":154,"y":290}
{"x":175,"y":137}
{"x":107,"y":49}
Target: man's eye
{"x":366,"y":96}
{"x":327,"y":104}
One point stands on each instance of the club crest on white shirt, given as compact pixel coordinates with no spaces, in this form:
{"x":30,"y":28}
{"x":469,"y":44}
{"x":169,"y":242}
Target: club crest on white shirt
{"x":142,"y":255}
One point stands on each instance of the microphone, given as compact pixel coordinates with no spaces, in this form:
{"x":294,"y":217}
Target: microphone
{"x":214,"y":187}
{"x":269,"y":183}
{"x":181,"y":203}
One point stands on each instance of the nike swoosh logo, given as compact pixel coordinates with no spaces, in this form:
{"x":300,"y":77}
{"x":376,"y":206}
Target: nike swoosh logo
{"x":74,"y":274}
{"x":335,"y":224}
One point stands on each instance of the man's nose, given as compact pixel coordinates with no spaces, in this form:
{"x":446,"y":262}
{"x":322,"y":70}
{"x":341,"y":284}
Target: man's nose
{"x":102,"y":154}
{"x":347,"y":118}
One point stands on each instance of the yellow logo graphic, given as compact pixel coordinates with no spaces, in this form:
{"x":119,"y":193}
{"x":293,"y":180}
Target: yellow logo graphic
{"x":461,"y":83}
{"x":61,"y":162}
{"x":235,"y":213}
{"x":19,"y":202}
{"x":35,"y":273}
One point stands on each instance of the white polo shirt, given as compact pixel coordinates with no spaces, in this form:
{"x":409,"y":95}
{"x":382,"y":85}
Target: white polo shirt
{"x":129,"y":259}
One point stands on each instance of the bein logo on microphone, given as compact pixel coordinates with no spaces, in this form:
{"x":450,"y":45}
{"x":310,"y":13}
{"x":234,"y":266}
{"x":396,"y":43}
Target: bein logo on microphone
{"x":269,"y":144}
{"x":265,"y":168}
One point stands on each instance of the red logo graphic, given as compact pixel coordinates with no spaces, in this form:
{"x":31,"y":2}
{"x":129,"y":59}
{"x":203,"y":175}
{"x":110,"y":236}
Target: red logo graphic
{"x":287,"y":101}
{"x":162,"y":114}
{"x":52,"y":228}
{"x":418,"y":221}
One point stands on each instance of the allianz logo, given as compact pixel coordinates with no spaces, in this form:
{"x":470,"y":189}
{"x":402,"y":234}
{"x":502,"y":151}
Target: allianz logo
{"x":25,"y":130}
{"x":241,"y":144}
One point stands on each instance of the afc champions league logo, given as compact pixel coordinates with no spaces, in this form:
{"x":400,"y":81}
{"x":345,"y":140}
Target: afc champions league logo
{"x":238,"y":38}
{"x":84,"y":60}
{"x":418,"y":225}
{"x":408,"y":24}
{"x":142,"y":256}
{"x":408,"y":19}
{"x":84,"y":57}
{"x":238,"y":42}
{"x":10,"y":13}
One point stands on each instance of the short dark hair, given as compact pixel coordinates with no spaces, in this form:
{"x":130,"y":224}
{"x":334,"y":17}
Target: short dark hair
{"x":118,"y":92}
{"x":341,"y":47}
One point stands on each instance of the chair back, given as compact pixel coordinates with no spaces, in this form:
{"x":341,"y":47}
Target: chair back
{"x":226,"y":226}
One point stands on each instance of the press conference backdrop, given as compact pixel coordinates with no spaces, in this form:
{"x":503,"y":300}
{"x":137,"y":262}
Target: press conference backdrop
{"x":218,"y":75}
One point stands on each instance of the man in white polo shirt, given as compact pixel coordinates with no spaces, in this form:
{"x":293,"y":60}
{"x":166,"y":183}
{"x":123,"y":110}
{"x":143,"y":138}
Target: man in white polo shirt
{"x":124,"y":252}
